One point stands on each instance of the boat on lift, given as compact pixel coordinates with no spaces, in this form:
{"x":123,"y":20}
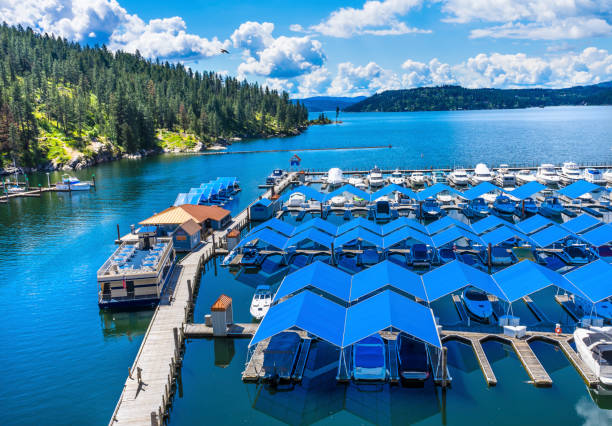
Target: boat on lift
{"x":576,"y":253}
{"x":595,"y":349}
{"x":481,"y":174}
{"x":413,"y":359}
{"x":528,"y":206}
{"x":397,"y":178}
{"x":417,"y":179}
{"x":551,"y":206}
{"x":375,"y":178}
{"x":296,"y":199}
{"x":504,"y":206}
{"x":594,"y":176}
{"x":525,"y":176}
{"x":369,"y":359}
{"x":262,"y":299}
{"x":477,"y":303}
{"x":570,"y":173}
{"x":477,"y":207}
{"x":504,"y":177}
{"x":334,"y":177}
{"x":459,"y":177}
{"x":71,"y":183}
{"x":421,"y":255}
{"x":547,"y":175}
{"x":430,"y":208}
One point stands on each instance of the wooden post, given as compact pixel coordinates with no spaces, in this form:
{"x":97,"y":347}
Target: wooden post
{"x":118,"y":233}
{"x":523,"y":208}
{"x":176,"y":337}
{"x":93,"y":180}
{"x":190,"y":294}
{"x":153,"y":419}
{"x":444,"y":360}
{"x":420,"y":210}
{"x":489,"y":257}
{"x":139,"y":375}
{"x":130,"y":372}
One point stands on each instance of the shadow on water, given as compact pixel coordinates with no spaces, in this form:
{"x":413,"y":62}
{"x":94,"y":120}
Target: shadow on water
{"x":130,"y":324}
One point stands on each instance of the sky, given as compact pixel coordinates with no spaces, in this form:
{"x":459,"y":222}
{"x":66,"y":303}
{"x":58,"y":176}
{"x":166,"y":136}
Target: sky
{"x":348,"y":48}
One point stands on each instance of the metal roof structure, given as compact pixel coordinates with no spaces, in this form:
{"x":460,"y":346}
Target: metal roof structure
{"x":593,"y":280}
{"x":478,"y":190}
{"x":581,"y":223}
{"x":526,"y":191}
{"x":578,"y":189}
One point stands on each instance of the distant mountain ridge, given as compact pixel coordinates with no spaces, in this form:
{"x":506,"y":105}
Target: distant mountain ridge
{"x":328,"y":103}
{"x":450,"y":98}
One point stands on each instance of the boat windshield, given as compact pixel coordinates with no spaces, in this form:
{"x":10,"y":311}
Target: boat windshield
{"x":476,"y":295}
{"x":460,"y":173}
{"x":369,"y":355}
{"x":478,"y":202}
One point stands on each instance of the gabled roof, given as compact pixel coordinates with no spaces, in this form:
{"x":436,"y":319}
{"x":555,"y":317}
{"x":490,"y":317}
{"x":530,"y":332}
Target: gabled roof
{"x":190,"y":227}
{"x":317,"y":223}
{"x":599,"y":236}
{"x":359,"y":234}
{"x":180,"y":214}
{"x":313,"y":235}
{"x":446,"y":222}
{"x":488,"y":223}
{"x":453,"y":234}
{"x":267,"y":236}
{"x":526,"y":191}
{"x":320,"y":275}
{"x":264,"y":202}
{"x":578,"y":189}
{"x":309,"y":193}
{"x":505,"y":233}
{"x":533,"y":224}
{"x":384,"y":274}
{"x":276,"y":225}
{"x":581,"y":223}
{"x":359,"y":222}
{"x":478,"y":190}
{"x":435,"y":189}
{"x":404,"y":234}
{"x":552,"y":234}
{"x":392,"y":188}
{"x":593,"y":280}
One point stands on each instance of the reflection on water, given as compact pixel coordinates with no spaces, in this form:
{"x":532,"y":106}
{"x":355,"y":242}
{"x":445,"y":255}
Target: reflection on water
{"x":224,"y":352}
{"x":130,"y":324}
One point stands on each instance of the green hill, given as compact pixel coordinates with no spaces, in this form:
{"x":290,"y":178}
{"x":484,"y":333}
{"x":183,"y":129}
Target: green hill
{"x":60,"y":101}
{"x":448,"y":98}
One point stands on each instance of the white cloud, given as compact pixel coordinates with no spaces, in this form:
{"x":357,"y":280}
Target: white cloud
{"x":106,"y":21}
{"x":279,"y":84}
{"x":534,"y":19}
{"x":434,"y":73}
{"x":296,"y":28}
{"x":362,"y":80}
{"x":375,"y":17}
{"x":282,"y":57}
{"x":314,"y":83}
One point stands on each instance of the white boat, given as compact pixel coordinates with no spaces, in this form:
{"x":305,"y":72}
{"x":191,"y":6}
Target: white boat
{"x":570,"y":172}
{"x":608,"y":176}
{"x":459,"y":177}
{"x":262,"y":299}
{"x":417,"y":179}
{"x":547,"y":175}
{"x":525,"y":176}
{"x":489,"y":197}
{"x":338,"y":201}
{"x":14,"y":189}
{"x":375,"y":178}
{"x":595,"y":349}
{"x":71,"y":183}
{"x":504,"y":177}
{"x":296,"y":199}
{"x":397,"y":178}
{"x":444,"y":197}
{"x":594,"y":176}
{"x":334,"y":177}
{"x":477,"y":303}
{"x":481,"y":174}
{"x":353,"y":180}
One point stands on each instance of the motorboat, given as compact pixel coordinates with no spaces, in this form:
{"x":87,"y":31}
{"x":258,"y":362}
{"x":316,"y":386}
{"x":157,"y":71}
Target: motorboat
{"x":528,"y":206}
{"x":71,"y":183}
{"x":576,"y":254}
{"x":382,"y":210}
{"x":353,"y":180}
{"x":459,"y":177}
{"x":446,"y":254}
{"x":413,"y":359}
{"x":500,"y":256}
{"x":359,"y":202}
{"x":251,"y":258}
{"x":338,"y":201}
{"x":477,"y":303}
{"x":262,"y":299}
{"x":275,"y":177}
{"x":608,"y":176}
{"x":595,"y":349}
{"x":594,"y":176}
{"x":361,"y":185}
{"x":417,"y":179}
{"x":369,"y":256}
{"x":504,"y":206}
{"x":334,"y":177}
{"x":444,"y":197}
{"x":369,"y":359}
{"x":397,"y":178}
{"x":296,"y":199}
{"x":438,"y":176}
{"x":547,"y":175}
{"x":524,"y":176}
{"x":551,"y":206}
{"x":402,"y":199}
{"x":420,"y":255}
{"x":375,"y":178}
{"x":477,"y":208}
{"x":570,"y":172}
{"x":430,"y":208}
{"x":481,"y":174}
{"x":14,"y":189}
{"x":504,"y":177}
{"x":280,"y":356}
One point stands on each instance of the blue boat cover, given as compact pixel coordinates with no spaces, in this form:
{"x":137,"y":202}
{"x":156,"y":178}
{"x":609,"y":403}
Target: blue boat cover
{"x":434,"y":190}
{"x":308,"y":312}
{"x":581,"y":223}
{"x":268,"y":236}
{"x":446,"y":222}
{"x":276,"y":225}
{"x":404,"y":234}
{"x":383,"y":274}
{"x":359,"y":222}
{"x":389,"y":310}
{"x":488,"y":223}
{"x":392,"y":188}
{"x":599,"y":236}
{"x":453,"y":234}
{"x":308,"y":192}
{"x":347,"y":188}
{"x":578,"y":189}
{"x":402,"y":222}
{"x":359,"y":234}
{"x":505,"y":233}
{"x":317,"y":223}
{"x":478,"y":190}
{"x":533,"y":224}
{"x":527,"y":277}
{"x":593,"y":280}
{"x":526,"y":191}
{"x":552,"y":234}
{"x":181,"y":199}
{"x":264,"y":202}
{"x":319,"y":275}
{"x":313,"y":235}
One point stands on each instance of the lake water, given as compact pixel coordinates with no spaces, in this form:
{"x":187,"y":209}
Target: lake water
{"x":65,"y":361}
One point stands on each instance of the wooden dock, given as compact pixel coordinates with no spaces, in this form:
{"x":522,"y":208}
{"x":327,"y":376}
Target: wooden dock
{"x":233,"y":330}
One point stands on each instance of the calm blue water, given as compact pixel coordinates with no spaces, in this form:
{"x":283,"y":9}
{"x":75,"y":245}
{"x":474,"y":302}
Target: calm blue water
{"x":65,"y":362}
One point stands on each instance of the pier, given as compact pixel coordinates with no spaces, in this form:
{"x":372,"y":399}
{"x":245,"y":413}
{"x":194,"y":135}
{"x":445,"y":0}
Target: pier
{"x":261,"y":151}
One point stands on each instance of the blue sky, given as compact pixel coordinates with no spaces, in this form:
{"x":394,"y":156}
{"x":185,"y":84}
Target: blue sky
{"x":346,"y":48}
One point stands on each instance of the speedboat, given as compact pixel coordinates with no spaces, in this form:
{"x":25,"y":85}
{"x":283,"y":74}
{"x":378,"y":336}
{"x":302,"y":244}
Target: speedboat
{"x":525,"y":176}
{"x":15,"y":189}
{"x":334,"y":177}
{"x":477,"y":207}
{"x":353,"y":180}
{"x":551,"y":206}
{"x":262,"y":299}
{"x":481,"y":174}
{"x":71,"y":183}
{"x":595,"y":349}
{"x":430,"y":209}
{"x":504,"y":177}
{"x":477,"y":303}
{"x":361,"y":185}
{"x":251,"y":258}
{"x":296,"y":199}
{"x":413,"y":360}
{"x":369,"y":359}
{"x":438,"y":177}
{"x":338,"y":201}
{"x":275,"y":177}
{"x":417,"y":179}
{"x":459,"y":177}
{"x":397,"y":178}
{"x":444,"y":197}
{"x":570,"y":172}
{"x":420,"y":255}
{"x":382,"y":210}
{"x":446,"y":254}
{"x":500,"y":256}
{"x":594,"y":176}
{"x":375,"y":178}
{"x":280,"y":356}
{"x":504,"y":206}
{"x":576,"y":254}
{"x":608,"y":176}
{"x":547,"y":175}
{"x":528,"y":206}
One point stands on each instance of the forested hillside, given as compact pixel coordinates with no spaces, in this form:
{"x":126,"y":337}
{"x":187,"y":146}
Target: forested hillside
{"x":58,"y":98}
{"x":447,"y":98}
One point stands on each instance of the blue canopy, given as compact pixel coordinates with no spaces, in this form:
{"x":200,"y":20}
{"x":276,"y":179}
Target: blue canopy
{"x":275,"y":225}
{"x":533,"y":224}
{"x":527,"y":190}
{"x":359,"y":222}
{"x":389,"y":310}
{"x":307,"y":311}
{"x":446,"y":222}
{"x":505,"y":233}
{"x":181,"y":199}
{"x":599,"y":236}
{"x":435,"y":189}
{"x":488,"y":223}
{"x":478,"y":190}
{"x":453,"y":234}
{"x":581,"y":223}
{"x":319,"y":224}
{"x":552,"y":234}
{"x":350,"y":189}
{"x":268,"y":236}
{"x":313,"y":235}
{"x":384,"y":274}
{"x":401,"y":222}
{"x":456,"y":275}
{"x":527,"y":277}
{"x":359,"y":234}
{"x":264,"y":202}
{"x":405,"y":234}
{"x":578,"y":189}
{"x":593,"y":280}
{"x":392,"y":188}
{"x":308,"y":192}
{"x":319,"y":275}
